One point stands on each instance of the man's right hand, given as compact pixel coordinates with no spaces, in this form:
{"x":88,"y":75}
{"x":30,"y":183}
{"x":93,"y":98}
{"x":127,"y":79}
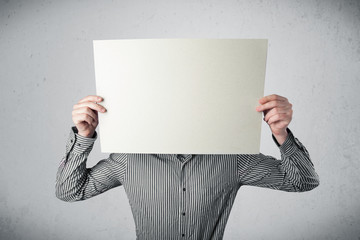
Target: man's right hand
{"x":85,"y":115}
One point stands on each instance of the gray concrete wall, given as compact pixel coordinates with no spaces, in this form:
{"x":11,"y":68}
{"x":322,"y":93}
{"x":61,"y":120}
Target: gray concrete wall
{"x":47,"y":66}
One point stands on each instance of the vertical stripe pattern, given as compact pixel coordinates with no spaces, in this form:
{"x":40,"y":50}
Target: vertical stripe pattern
{"x":175,"y":196}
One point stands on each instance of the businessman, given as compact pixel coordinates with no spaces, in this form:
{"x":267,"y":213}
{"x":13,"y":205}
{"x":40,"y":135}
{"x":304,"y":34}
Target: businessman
{"x":182,"y":196}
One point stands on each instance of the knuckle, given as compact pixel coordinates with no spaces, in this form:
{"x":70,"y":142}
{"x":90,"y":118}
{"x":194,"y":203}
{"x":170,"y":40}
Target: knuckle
{"x":95,"y":105}
{"x":88,"y":110}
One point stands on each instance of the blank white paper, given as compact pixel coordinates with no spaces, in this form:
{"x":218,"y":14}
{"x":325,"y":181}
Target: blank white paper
{"x":180,"y":96}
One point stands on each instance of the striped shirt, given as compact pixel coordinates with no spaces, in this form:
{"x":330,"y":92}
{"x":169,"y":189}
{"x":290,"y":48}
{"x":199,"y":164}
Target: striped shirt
{"x":175,"y":196}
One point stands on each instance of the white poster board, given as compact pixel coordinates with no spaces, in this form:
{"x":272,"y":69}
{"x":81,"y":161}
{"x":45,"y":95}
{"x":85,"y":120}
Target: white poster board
{"x":180,"y":96}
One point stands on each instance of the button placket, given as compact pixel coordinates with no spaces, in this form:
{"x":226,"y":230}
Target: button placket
{"x":182,"y":207}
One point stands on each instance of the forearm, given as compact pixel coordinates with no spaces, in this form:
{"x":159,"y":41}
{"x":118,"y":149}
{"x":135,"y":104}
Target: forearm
{"x":297,"y":166}
{"x":294,"y":172}
{"x":75,"y":182}
{"x":72,"y":178}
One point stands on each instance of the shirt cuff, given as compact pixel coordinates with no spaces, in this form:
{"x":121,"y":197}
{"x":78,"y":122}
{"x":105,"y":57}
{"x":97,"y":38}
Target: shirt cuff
{"x":288,"y":147}
{"x":79,"y":144}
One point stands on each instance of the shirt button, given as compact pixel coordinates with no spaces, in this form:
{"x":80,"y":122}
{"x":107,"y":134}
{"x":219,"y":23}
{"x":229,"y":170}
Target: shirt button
{"x":183,"y":235}
{"x":183,"y":213}
{"x":184,"y":189}
{"x":79,"y":144}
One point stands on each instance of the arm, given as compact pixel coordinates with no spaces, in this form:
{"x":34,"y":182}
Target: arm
{"x":75,"y":182}
{"x":293,"y":173}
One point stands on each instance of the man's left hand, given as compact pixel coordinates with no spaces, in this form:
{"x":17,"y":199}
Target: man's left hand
{"x":277,"y":114}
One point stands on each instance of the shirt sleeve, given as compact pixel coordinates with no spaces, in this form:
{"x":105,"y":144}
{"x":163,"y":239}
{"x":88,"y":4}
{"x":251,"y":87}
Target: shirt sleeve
{"x":75,"y":182}
{"x":294,"y":172}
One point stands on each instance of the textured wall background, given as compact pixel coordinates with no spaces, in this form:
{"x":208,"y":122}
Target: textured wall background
{"x":47,"y":66}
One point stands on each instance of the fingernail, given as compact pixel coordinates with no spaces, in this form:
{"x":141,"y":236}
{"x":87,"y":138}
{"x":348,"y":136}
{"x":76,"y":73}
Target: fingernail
{"x":99,"y":98}
{"x":103,"y":110}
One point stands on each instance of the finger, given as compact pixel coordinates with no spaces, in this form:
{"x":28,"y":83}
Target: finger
{"x":83,"y":117}
{"x":91,"y":98}
{"x":271,"y":104}
{"x":94,"y":106}
{"x":277,"y":110}
{"x":271,"y":98}
{"x":278,"y":117}
{"x":85,"y":110}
